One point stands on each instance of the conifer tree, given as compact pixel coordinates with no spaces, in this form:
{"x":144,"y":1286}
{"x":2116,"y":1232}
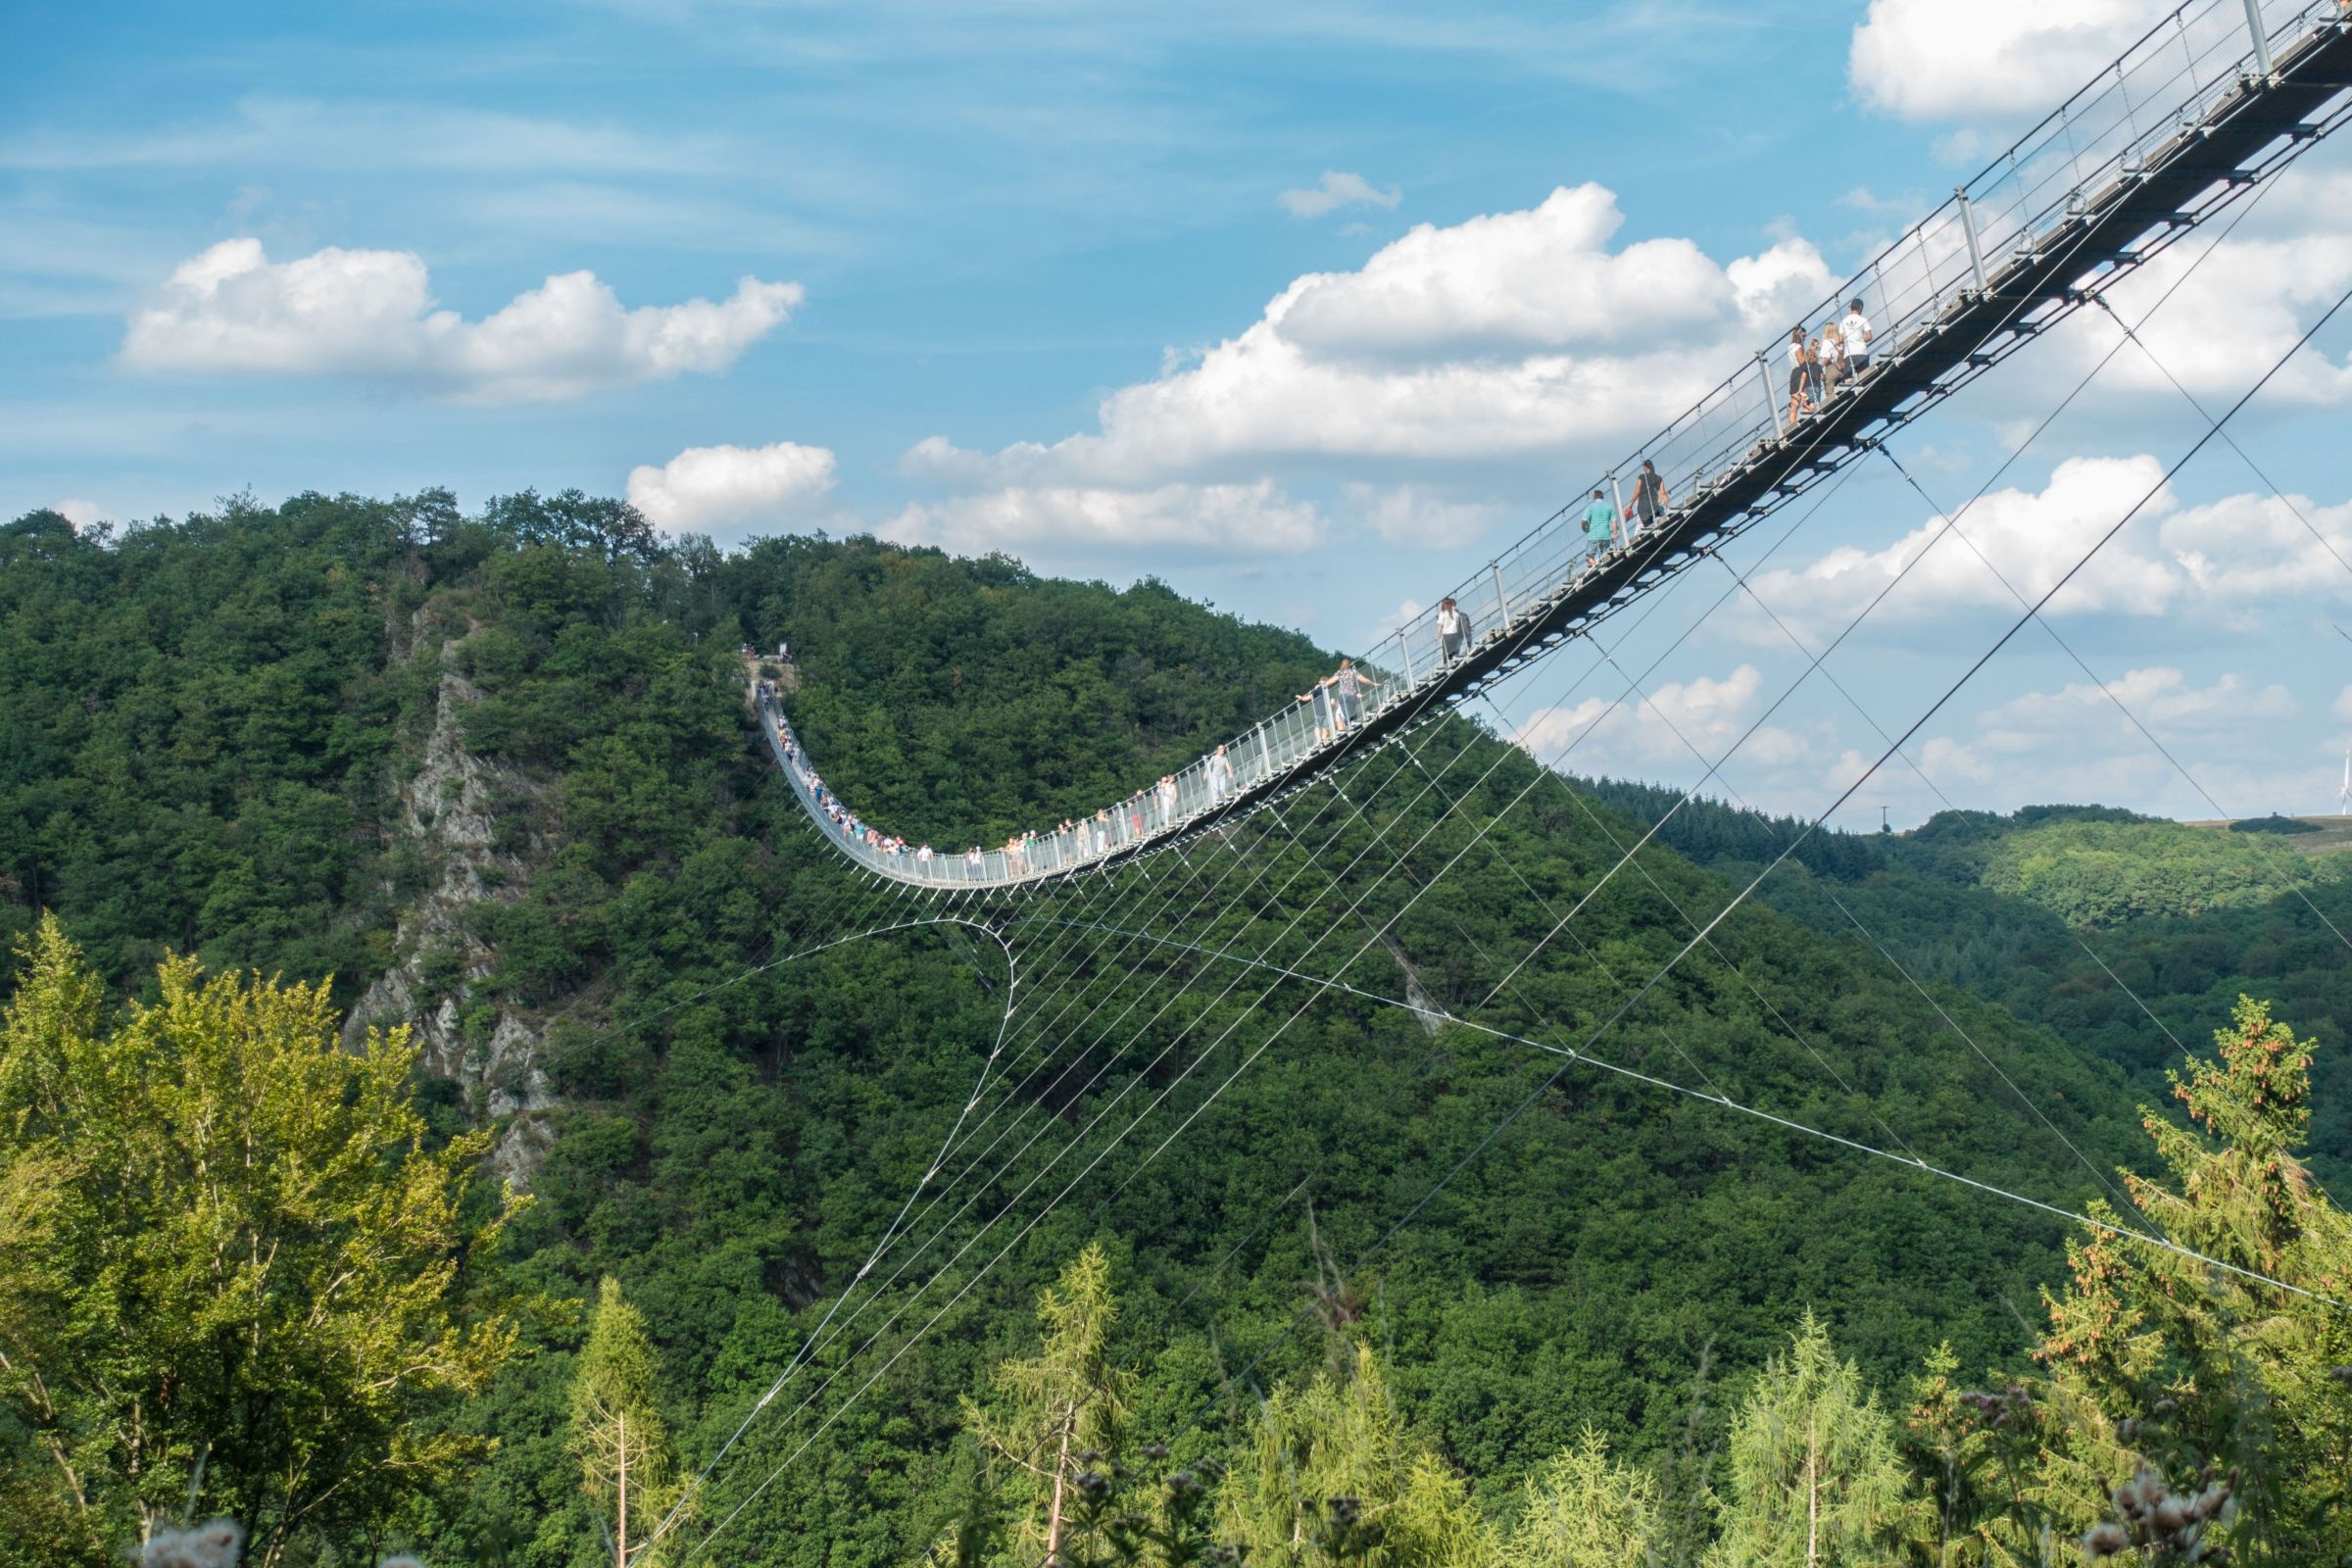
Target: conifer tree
{"x":2160,"y":1363}
{"x":1816,"y":1482}
{"x":1334,"y":1476}
{"x":1583,"y":1511}
{"x":1063,"y":1411}
{"x":617,"y":1428}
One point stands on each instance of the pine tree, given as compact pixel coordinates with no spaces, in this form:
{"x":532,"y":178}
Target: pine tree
{"x":616,"y":1429}
{"x":2161,"y":1363}
{"x":1582,"y":1510}
{"x":1063,"y":1411}
{"x":1335,"y":1476}
{"x":1816,"y":1482}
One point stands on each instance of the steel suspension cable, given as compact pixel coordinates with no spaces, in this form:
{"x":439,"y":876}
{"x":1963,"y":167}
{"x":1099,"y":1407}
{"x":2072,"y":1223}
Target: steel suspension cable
{"x":1251,"y":1057}
{"x":1031,"y":1224}
{"x":1585,"y":1056}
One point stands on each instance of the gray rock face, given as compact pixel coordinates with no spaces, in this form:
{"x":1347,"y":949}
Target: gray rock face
{"x":450,"y":812}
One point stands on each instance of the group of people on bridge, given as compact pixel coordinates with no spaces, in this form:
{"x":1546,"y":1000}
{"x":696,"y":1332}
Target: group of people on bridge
{"x":1336,"y":703}
{"x":1837,"y":356}
{"x":1605,"y":529}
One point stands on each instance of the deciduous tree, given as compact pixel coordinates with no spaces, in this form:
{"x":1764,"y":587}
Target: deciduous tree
{"x":234,"y":1268}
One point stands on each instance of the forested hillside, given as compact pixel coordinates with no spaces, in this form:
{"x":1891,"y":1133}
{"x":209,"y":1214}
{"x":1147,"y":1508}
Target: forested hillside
{"x":493,"y":774}
{"x":2077,"y":918}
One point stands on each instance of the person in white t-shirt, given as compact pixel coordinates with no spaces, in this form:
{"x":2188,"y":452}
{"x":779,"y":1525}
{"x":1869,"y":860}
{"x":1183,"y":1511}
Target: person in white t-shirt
{"x":1454,"y":630}
{"x":1855,"y":329}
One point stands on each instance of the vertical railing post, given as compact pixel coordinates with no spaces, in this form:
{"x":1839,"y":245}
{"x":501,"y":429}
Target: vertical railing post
{"x":1968,"y":227}
{"x":1624,"y":525}
{"x":1404,"y":645}
{"x":1772,"y":403}
{"x":2262,"y":39}
{"x":1502,"y":600}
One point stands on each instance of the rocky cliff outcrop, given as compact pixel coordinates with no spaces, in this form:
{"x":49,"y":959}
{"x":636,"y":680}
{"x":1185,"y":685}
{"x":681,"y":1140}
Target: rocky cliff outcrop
{"x":450,"y":809}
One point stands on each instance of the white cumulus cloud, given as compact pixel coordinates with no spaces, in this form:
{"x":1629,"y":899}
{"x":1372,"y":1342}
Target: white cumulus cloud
{"x":1254,"y":519}
{"x":1937,"y":60}
{"x":2236,"y":732}
{"x":1503,"y":336}
{"x":1338,"y":190}
{"x":2159,"y":696}
{"x":2228,"y":558}
{"x":371,"y":315}
{"x":2242,"y":307}
{"x":1634,"y":739}
{"x":81,"y":513}
{"x":1421,"y":515}
{"x":2074,"y":744}
{"x":728,"y":488}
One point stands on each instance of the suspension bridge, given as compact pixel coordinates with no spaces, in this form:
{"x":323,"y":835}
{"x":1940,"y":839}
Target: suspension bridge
{"x":2220,"y":97}
{"x":1139,"y":999}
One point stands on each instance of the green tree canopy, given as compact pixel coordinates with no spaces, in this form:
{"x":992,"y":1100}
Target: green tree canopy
{"x":2161,"y":1361}
{"x":1332,"y":1474}
{"x":1584,"y":1510}
{"x":235,"y":1272}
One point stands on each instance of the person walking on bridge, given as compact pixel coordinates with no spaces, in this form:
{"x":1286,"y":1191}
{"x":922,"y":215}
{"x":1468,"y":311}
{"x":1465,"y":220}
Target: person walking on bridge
{"x":1855,"y":331}
{"x":1832,"y":355}
{"x":1347,"y":685}
{"x":1318,"y":700}
{"x":1454,"y":630}
{"x":1221,"y":775}
{"x":1650,"y":500}
{"x":1600,"y":527}
{"x":1167,"y":799}
{"x":1799,"y":376}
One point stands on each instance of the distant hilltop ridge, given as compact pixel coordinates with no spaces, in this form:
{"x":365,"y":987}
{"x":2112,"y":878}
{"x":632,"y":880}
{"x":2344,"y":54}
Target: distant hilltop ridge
{"x":2313,"y":835}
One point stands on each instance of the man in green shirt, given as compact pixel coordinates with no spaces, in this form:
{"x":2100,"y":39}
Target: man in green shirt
{"x":1600,"y":528}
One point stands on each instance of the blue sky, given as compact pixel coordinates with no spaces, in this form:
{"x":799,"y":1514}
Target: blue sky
{"x":999,"y":276}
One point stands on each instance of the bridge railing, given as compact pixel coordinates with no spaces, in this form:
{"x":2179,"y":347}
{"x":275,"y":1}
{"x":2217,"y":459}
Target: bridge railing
{"x":2131,"y":116}
{"x":2137,"y":114}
